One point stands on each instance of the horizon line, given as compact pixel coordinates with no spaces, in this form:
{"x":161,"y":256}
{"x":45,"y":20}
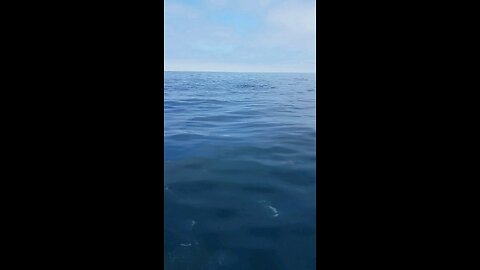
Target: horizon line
{"x":211,"y":71}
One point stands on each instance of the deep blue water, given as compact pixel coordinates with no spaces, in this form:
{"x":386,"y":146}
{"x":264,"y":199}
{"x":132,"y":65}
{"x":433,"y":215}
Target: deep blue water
{"x":240,"y":172}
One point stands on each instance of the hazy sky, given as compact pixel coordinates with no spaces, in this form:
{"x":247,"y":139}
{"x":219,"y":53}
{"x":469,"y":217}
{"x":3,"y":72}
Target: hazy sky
{"x":240,"y":35}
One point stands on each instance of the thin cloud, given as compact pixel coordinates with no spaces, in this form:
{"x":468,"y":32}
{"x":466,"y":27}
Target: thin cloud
{"x":249,"y":35}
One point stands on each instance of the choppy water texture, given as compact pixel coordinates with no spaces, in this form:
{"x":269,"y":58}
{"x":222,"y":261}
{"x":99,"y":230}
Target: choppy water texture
{"x":240,"y":171}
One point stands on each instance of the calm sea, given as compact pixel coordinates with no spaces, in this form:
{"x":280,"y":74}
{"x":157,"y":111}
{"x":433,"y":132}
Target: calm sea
{"x":240,"y":172}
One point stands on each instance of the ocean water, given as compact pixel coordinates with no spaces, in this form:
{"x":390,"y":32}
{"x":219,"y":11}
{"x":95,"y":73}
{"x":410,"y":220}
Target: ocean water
{"x":240,"y":172}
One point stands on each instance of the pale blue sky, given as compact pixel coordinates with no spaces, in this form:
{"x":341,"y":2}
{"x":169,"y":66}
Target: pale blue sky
{"x":240,"y":35}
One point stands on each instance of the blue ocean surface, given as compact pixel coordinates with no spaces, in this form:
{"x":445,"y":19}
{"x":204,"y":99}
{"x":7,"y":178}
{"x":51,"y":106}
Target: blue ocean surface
{"x":240,"y":171}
